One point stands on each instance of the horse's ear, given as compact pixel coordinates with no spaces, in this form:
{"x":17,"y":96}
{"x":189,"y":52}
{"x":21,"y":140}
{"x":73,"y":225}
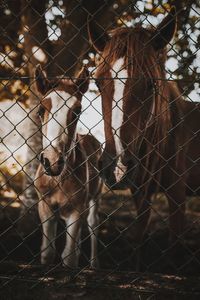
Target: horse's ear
{"x":82,"y":81}
{"x":43,"y":84}
{"x":97,"y":35}
{"x":165,"y":31}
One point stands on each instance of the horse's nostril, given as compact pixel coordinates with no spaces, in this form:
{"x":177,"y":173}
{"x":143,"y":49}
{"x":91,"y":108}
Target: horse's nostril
{"x":46,"y":163}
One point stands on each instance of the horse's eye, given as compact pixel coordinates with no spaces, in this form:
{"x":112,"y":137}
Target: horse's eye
{"x":41,"y":111}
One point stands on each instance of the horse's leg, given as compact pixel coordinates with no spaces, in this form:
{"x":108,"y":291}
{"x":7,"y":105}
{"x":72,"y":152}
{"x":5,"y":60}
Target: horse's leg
{"x":93,"y":222}
{"x":142,"y":219}
{"x":70,"y":255}
{"x":49,"y":226}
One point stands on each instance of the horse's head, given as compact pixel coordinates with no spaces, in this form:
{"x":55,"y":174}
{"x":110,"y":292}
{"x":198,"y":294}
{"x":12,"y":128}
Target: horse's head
{"x":59,"y":110}
{"x":132,"y":61}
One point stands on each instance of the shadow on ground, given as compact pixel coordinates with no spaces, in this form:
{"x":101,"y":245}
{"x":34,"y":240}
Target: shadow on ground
{"x":117,"y":252}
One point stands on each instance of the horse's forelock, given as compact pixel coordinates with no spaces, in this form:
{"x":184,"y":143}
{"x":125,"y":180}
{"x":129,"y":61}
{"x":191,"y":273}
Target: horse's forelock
{"x":136,"y":46}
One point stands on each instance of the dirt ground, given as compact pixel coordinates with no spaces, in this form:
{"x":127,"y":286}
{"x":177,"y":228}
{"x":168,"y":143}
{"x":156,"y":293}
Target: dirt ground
{"x":117,"y":252}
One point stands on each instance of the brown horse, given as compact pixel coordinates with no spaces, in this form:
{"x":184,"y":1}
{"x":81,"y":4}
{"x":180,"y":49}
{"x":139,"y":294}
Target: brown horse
{"x":67,"y":180}
{"x":152,"y":133}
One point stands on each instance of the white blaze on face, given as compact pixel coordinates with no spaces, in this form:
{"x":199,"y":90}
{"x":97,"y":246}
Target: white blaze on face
{"x":57,"y":120}
{"x":119,"y":74}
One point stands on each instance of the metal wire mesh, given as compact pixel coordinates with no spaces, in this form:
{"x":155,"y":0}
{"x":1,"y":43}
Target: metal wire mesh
{"x":39,"y":111}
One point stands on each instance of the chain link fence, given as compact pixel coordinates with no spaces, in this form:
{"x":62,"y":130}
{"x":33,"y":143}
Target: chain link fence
{"x":49,"y":64}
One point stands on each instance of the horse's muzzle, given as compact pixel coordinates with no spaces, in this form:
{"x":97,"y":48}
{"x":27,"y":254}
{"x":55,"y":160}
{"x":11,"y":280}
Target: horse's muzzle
{"x":108,"y":168}
{"x":53,"y":169}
